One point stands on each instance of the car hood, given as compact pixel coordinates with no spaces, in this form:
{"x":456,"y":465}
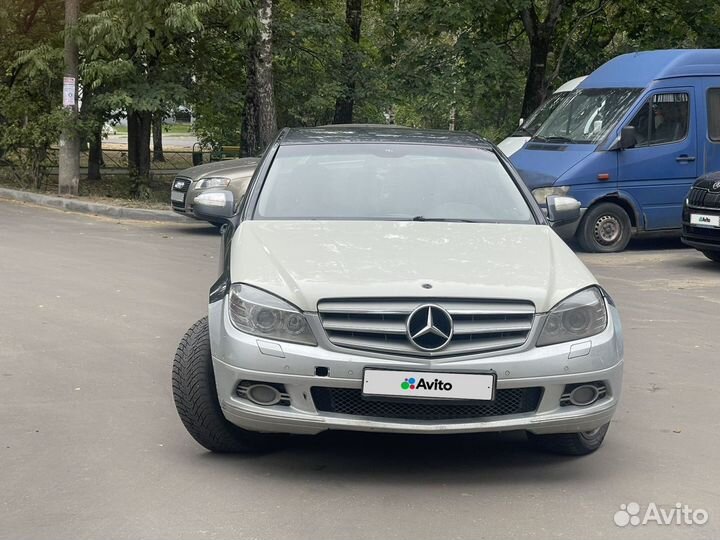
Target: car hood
{"x":306,"y":261}
{"x":229,"y":168}
{"x":540,"y":167}
{"x":510,"y":145}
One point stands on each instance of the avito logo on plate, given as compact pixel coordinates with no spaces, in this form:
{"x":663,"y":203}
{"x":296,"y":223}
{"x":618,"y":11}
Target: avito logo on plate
{"x":410,"y":384}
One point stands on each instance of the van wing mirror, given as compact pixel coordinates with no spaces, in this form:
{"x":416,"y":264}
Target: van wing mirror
{"x":215,"y":205}
{"x":562,"y":209}
{"x":628,"y":138}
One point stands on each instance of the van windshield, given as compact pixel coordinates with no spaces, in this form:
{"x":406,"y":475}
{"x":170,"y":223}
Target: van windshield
{"x":530,"y":126}
{"x":585,"y":116}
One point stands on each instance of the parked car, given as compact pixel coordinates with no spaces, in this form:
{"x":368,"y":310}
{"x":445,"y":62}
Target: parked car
{"x":232,"y":174}
{"x":528,"y":127}
{"x":396,"y":280}
{"x":701,"y":216}
{"x":628,"y":144}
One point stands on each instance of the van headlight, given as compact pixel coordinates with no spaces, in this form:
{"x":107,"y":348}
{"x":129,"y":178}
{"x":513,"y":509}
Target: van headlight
{"x":212,"y":182}
{"x":541,"y":194}
{"x":578,"y":316}
{"x":260,"y":313}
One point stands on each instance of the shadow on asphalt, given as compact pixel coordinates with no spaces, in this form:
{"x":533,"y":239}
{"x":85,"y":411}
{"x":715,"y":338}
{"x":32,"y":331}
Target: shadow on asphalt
{"x":406,"y":459}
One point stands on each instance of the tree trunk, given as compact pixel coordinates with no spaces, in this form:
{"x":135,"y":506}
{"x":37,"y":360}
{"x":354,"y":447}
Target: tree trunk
{"x":540,"y":35}
{"x":259,"y":117}
{"x":139,"y":124}
{"x":157,"y":134}
{"x":95,"y":155}
{"x":345,"y":102}
{"x":535,"y":87}
{"x":69,"y":159}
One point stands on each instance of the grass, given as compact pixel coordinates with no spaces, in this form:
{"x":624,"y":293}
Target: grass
{"x":111,"y":189}
{"x":171,"y":129}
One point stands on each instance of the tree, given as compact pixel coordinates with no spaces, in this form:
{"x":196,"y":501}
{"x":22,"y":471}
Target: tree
{"x":351,"y":65}
{"x":259,"y":124}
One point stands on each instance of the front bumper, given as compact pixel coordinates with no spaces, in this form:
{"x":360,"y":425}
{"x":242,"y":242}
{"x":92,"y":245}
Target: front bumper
{"x":700,"y":237}
{"x":238,"y":356}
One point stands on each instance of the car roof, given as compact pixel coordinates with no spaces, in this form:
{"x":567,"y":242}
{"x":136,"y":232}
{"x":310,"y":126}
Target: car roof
{"x":638,"y":70}
{"x":370,"y":133}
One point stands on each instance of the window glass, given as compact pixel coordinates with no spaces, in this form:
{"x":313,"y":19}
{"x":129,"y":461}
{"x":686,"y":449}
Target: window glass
{"x":390,"y":182}
{"x":585,"y":116}
{"x":664,"y":118}
{"x":713,"y":105}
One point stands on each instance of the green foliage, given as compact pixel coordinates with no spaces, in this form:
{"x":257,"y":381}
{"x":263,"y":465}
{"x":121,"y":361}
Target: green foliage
{"x":419,"y":62}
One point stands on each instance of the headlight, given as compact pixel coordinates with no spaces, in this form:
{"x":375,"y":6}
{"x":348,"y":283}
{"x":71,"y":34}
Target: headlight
{"x":541,"y":194}
{"x":259,"y":313}
{"x":212,"y":181}
{"x":579,"y":316}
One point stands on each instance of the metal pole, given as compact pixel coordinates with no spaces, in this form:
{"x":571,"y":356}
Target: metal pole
{"x":69,"y":164}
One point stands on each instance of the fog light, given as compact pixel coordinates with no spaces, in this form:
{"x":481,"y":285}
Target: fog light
{"x":263,"y":394}
{"x":584,"y":395}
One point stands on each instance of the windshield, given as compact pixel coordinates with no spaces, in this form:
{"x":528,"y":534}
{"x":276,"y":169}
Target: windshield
{"x":390,"y":182}
{"x":537,"y":119}
{"x":586,"y":116}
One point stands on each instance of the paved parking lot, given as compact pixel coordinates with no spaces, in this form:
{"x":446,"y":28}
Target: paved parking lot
{"x":91,"y":446}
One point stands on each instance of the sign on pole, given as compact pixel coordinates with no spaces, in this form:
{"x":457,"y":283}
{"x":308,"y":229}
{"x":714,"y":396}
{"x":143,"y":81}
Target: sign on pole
{"x":68,"y":91}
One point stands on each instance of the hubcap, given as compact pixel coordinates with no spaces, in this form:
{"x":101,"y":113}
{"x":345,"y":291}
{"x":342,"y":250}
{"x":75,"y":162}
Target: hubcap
{"x":607,"y":230}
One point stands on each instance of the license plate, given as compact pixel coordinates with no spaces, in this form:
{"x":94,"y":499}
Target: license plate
{"x":423,"y":384}
{"x":177,"y":196}
{"x":703,"y":219}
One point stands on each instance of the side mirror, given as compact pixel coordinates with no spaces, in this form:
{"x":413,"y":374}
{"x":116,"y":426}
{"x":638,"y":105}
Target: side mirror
{"x":562,"y":209}
{"x":215,"y":205}
{"x":521,"y":122}
{"x":628,"y":138}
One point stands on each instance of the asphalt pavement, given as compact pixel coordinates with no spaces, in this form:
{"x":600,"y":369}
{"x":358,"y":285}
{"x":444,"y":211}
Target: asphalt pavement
{"x":91,"y":446}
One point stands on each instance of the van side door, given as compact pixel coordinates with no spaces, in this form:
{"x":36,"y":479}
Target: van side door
{"x":659,"y":171}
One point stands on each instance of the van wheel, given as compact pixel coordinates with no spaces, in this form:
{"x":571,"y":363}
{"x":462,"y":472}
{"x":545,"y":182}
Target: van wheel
{"x":196,"y":400}
{"x":605,"y":228}
{"x":570,"y":444}
{"x":712,"y":255}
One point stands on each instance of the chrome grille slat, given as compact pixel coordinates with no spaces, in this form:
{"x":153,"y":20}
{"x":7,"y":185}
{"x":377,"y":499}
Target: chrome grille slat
{"x":372,"y":326}
{"x":381,"y":325}
{"x":490,"y":327}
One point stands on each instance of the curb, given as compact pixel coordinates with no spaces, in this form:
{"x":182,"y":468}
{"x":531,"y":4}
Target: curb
{"x":86,"y":207}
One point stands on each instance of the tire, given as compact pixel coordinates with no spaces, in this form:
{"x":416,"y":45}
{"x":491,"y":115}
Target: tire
{"x":570,"y":444}
{"x":196,"y":400}
{"x":712,"y":255}
{"x":605,"y":228}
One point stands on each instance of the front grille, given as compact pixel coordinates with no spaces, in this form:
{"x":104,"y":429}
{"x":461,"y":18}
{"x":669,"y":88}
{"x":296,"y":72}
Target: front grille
{"x":703,"y":198}
{"x":707,"y":235}
{"x":381,"y":325}
{"x":181,"y":183}
{"x":350,"y":401}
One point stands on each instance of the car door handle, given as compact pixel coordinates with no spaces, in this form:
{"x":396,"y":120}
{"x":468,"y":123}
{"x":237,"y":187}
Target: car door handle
{"x":684,"y":158}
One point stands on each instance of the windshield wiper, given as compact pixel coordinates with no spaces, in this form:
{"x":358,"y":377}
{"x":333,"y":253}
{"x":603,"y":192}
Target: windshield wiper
{"x":443,"y":220}
{"x":553,"y":139}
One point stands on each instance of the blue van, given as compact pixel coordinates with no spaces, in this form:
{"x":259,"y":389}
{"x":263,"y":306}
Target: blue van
{"x":628,"y":144}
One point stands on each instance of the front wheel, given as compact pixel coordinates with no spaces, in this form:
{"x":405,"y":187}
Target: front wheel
{"x":196,"y":400}
{"x":570,"y":444}
{"x":712,"y":255}
{"x":605,"y":228}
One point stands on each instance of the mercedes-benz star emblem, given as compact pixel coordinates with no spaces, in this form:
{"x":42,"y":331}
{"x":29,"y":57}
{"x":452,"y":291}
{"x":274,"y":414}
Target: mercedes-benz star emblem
{"x":430,"y":327}
{"x":716,"y":186}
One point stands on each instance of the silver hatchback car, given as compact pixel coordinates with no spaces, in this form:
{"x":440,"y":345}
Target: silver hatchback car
{"x":379,"y":279}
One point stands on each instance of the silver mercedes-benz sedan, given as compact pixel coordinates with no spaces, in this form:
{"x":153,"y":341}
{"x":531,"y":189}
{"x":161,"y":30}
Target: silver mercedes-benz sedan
{"x":396,"y":280}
